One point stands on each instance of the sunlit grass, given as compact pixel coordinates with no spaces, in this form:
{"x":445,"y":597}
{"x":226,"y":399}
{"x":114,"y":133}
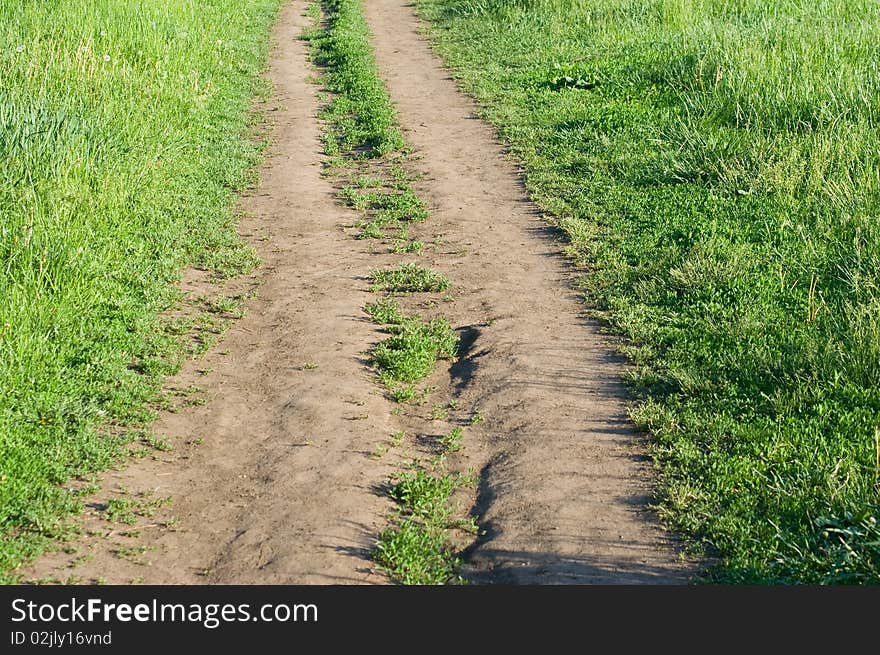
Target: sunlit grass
{"x":716,"y":165}
{"x":121,"y":126}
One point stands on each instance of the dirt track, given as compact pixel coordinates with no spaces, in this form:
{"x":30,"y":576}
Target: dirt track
{"x":282,"y":488}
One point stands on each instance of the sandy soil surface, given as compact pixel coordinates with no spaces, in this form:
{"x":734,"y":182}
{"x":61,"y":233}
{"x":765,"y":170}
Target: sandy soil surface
{"x":272,"y":480}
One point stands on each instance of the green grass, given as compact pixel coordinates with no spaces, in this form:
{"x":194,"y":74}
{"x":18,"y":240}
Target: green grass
{"x":129,"y":510}
{"x":716,"y":166}
{"x":386,"y":209}
{"x":416,"y":554}
{"x":401,"y":246}
{"x":390,"y":206}
{"x":410,"y":355}
{"x":418,"y":549}
{"x":360,"y":116}
{"x":408,"y":278}
{"x":386,"y":311}
{"x":425,"y":495}
{"x":452,"y":442}
{"x":412,"y":351}
{"x":121,"y":146}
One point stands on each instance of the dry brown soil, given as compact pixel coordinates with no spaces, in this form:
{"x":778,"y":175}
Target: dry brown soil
{"x":276,"y":480}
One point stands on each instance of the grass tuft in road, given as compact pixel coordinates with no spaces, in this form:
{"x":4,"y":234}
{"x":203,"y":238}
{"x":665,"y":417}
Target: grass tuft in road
{"x":359,"y":116}
{"x":408,"y":278}
{"x":386,"y":209}
{"x":418,"y":549}
{"x":411,"y":353}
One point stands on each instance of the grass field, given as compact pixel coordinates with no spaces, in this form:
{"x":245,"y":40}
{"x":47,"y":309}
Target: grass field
{"x":716,"y":165}
{"x":121,"y":144}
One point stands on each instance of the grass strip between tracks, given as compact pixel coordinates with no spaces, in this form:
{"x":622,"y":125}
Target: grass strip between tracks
{"x":368,"y":157}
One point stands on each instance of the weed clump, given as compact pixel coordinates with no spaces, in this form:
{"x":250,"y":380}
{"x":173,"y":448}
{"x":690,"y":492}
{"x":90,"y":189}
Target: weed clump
{"x":418,"y":550}
{"x":408,"y":278}
{"x":411,"y":354}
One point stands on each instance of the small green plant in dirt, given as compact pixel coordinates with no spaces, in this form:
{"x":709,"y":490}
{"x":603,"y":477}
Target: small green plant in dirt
{"x":386,"y":311}
{"x":365,"y":182}
{"x":360,"y":116}
{"x":418,"y":549}
{"x":451,"y":442}
{"x":402,"y":393}
{"x":386,"y":210}
{"x":413,"y":350}
{"x":400,"y":206}
{"x":411,"y":354}
{"x":157,"y":442}
{"x":121,"y":510}
{"x":167,"y":400}
{"x":402,"y":246}
{"x":134,"y":554}
{"x":395,"y":440}
{"x":221,"y":304}
{"x":127,"y":510}
{"x":408,"y":278}
{"x":425,"y":495}
{"x":424,"y":394}
{"x":371,"y":230}
{"x":402,"y":177}
{"x":416,"y":554}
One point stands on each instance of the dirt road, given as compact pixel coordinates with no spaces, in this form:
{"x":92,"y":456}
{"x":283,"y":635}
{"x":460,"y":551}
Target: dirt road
{"x":271,"y":481}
